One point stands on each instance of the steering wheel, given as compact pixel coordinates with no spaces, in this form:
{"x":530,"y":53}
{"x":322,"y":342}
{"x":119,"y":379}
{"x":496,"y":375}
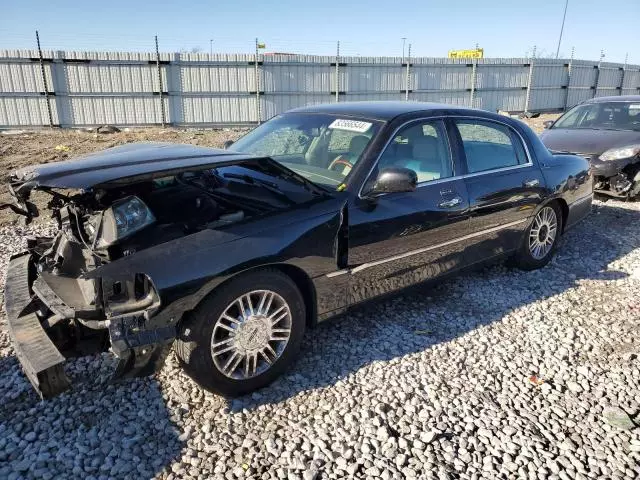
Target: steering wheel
{"x":340,"y":160}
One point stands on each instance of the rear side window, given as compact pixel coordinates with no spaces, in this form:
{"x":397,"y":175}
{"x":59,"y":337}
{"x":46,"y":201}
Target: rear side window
{"x":489,"y":146}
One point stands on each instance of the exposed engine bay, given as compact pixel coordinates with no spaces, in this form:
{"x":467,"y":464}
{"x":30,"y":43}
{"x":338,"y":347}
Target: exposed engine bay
{"x":82,"y":315}
{"x":101,"y":226}
{"x":119,"y":213}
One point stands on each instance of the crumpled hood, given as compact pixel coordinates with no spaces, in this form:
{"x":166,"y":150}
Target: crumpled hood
{"x":126,"y":163}
{"x":587,"y":141}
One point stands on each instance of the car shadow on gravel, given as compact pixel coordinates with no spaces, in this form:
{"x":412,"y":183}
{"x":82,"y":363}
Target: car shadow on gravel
{"x":424,"y":316}
{"x":96,"y":429}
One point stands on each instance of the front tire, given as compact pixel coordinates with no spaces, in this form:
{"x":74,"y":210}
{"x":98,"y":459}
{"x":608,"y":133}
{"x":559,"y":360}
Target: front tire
{"x":244,"y":335}
{"x":541,"y":238}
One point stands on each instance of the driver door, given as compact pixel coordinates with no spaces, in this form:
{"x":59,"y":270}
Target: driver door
{"x":400,"y":239}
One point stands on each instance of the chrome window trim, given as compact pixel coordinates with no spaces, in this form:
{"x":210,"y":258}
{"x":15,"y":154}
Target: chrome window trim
{"x":418,"y":251}
{"x":455,"y":177}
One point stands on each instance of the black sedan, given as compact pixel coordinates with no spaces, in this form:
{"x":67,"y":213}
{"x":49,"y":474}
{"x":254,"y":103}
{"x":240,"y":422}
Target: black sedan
{"x":606,"y":131}
{"x":230,"y":255}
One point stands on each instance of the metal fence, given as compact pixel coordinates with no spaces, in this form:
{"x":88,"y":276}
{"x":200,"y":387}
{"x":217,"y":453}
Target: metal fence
{"x":77,"y":89}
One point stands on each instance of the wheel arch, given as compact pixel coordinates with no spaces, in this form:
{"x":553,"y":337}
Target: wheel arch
{"x":562,"y":204}
{"x":299,"y":277}
{"x":564,"y":208}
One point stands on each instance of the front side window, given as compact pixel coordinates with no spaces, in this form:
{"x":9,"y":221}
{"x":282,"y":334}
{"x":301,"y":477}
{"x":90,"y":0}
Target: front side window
{"x":488,"y":145}
{"x":421,"y":147}
{"x":323,"y":148}
{"x":604,"y":115}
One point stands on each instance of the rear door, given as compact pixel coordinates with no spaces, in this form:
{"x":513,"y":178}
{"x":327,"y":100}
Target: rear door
{"x":400,"y":239}
{"x":504,"y":185}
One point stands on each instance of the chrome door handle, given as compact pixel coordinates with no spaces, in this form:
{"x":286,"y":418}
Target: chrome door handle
{"x":531,"y":183}
{"x":450,"y":203}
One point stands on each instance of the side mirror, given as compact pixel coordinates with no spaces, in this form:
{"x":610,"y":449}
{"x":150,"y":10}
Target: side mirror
{"x":394,"y":180}
{"x":548,"y":123}
{"x":227,"y":144}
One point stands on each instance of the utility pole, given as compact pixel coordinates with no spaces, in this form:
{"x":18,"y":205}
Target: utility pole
{"x":211,"y":47}
{"x":566,"y":4}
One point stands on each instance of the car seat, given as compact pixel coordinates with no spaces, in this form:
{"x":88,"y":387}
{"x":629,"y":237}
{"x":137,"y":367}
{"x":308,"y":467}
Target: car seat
{"x":427,"y":161}
{"x":356,"y":147}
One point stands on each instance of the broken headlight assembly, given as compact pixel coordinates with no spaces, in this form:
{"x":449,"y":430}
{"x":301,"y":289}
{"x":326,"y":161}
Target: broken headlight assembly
{"x":620,"y":153}
{"x":122,"y":219}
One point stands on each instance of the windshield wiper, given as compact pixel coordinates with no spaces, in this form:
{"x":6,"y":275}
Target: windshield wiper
{"x":271,"y":186}
{"x":288,"y":174}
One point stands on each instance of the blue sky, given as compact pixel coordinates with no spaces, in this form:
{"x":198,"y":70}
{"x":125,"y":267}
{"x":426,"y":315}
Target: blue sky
{"x":504,"y":28}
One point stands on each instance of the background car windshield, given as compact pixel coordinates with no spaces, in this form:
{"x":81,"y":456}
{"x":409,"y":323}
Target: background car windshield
{"x":609,"y":115}
{"x":323,"y":148}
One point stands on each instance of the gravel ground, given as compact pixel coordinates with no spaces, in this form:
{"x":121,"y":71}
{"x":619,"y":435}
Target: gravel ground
{"x":494,"y":374}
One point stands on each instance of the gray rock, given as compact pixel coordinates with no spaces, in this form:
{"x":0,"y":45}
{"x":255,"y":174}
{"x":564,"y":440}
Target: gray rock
{"x":618,"y":418}
{"x":384,"y":394}
{"x":574,"y":387}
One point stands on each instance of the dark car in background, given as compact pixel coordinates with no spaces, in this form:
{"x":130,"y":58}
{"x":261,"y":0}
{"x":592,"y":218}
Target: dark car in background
{"x":606,"y":131}
{"x":231,"y":254}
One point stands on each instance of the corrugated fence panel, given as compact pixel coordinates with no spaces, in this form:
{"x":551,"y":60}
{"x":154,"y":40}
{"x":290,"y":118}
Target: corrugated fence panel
{"x":122,"y":88}
{"x":371,"y":96}
{"x":296,"y":78}
{"x":495,"y":100}
{"x":26,"y":111}
{"x":373,"y":78}
{"x":232,"y":110}
{"x":119,"y":78}
{"x":23,"y":77}
{"x":546,"y":99}
{"x":577,"y":96}
{"x":452,"y":97}
{"x":631,"y":84}
{"x":548,"y":75}
{"x":498,"y":77}
{"x":273,"y":104}
{"x":112,"y":110}
{"x":583,"y":76}
{"x":217,"y":78}
{"x":441,"y":77}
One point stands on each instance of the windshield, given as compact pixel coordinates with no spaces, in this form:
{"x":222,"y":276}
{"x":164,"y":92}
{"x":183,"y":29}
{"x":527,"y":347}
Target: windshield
{"x":607,"y":116}
{"x":322,"y":148}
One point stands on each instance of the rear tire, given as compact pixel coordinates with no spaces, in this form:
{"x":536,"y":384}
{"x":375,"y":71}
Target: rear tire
{"x":243,"y":335}
{"x":540,"y":239}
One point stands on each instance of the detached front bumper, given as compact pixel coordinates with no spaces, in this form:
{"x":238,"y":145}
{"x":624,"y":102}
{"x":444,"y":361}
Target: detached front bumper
{"x":40,"y":359}
{"x":141,"y":347}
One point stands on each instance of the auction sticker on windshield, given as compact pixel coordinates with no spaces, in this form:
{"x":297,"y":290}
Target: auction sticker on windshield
{"x":350,"y":125}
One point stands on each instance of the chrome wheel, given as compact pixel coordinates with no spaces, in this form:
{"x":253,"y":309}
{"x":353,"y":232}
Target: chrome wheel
{"x":251,"y":334}
{"x":543,"y":233}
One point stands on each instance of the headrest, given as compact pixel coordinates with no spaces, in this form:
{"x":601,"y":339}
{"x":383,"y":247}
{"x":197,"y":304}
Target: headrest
{"x":358,"y":144}
{"x":425,"y":147}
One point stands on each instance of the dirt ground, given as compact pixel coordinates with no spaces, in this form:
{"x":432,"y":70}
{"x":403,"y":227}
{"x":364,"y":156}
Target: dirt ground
{"x":18,"y":150}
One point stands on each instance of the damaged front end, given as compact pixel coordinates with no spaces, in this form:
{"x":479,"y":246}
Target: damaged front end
{"x":122,"y":215}
{"x":617,"y":172}
{"x":54,"y":311}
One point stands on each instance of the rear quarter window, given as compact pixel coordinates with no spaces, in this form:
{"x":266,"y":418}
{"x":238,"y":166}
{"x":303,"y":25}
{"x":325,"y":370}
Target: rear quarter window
{"x":490,"y":145}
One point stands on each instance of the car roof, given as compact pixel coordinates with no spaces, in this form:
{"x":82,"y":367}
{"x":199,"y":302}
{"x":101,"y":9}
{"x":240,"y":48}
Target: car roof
{"x":380,"y":110}
{"x":615,"y":98}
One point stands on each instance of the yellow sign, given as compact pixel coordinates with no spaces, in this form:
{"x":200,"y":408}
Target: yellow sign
{"x":477,"y":53}
{"x":262,"y":45}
